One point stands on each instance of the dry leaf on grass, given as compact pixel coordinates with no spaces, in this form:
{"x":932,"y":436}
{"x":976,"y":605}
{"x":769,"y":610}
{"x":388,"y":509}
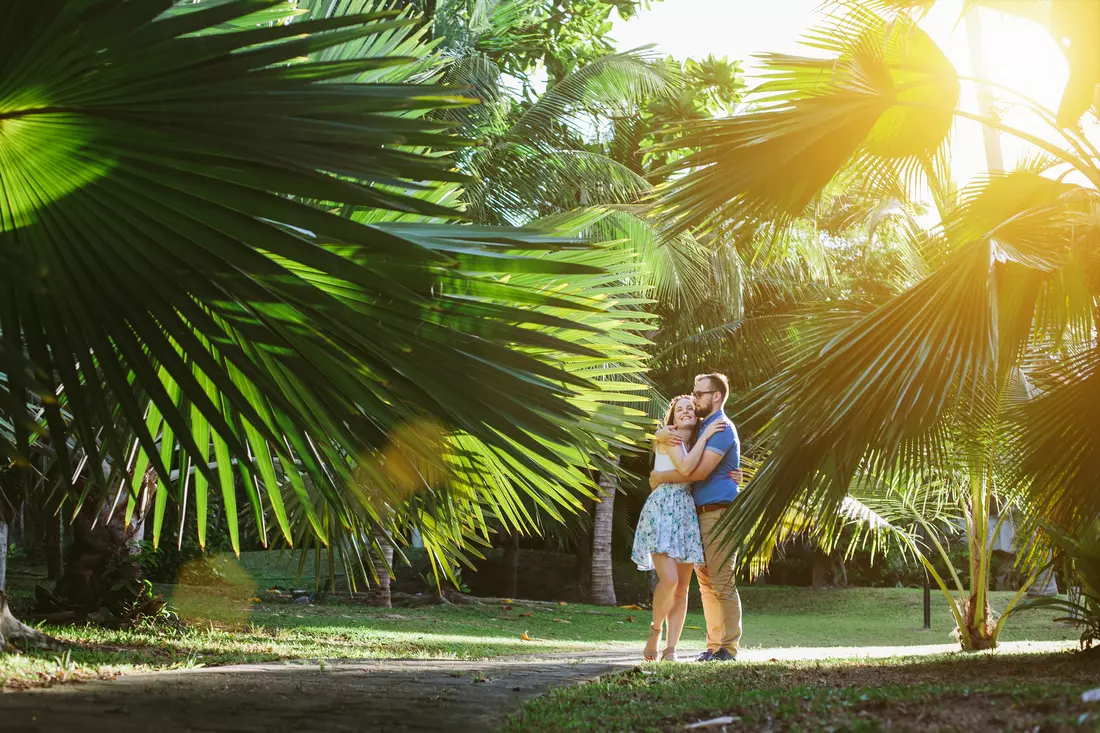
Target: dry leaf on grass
{"x":712,"y":723}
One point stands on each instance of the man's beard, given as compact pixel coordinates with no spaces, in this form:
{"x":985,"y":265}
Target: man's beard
{"x":704,"y":412}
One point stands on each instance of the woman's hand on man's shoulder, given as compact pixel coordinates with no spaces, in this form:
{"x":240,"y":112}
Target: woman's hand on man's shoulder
{"x":666,"y":436}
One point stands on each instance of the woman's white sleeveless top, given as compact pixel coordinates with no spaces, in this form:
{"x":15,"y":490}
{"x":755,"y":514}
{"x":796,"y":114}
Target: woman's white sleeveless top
{"x":663,"y":463}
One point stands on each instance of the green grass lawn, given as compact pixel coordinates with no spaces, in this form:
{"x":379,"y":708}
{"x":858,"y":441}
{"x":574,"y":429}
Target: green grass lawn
{"x":953,"y":692}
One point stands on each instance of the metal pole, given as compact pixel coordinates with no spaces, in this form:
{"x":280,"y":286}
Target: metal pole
{"x":927,"y":585}
{"x":927,"y":601}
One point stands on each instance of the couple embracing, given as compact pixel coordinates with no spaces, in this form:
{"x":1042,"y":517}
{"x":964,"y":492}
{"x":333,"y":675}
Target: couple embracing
{"x":694,"y":480}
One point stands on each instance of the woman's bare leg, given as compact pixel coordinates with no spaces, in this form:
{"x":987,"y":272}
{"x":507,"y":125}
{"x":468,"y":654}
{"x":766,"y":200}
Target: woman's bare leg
{"x":678,"y":613}
{"x":663,"y":595}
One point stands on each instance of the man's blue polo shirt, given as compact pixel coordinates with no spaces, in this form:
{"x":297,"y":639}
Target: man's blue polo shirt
{"x":718,"y":487}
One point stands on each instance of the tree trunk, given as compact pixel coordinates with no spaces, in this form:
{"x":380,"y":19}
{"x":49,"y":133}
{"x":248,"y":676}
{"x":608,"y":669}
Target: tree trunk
{"x":976,"y":612}
{"x":100,"y":571}
{"x":979,"y":625}
{"x":821,"y":567}
{"x":12,"y":631}
{"x":378,"y":594}
{"x":5,"y":530}
{"x":840,"y":573}
{"x":55,"y":543}
{"x":603,"y":581}
{"x":511,"y":565}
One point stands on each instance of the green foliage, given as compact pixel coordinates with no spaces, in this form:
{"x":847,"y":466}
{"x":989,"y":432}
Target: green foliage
{"x":1082,"y":563}
{"x":645,"y":139}
{"x":520,"y":36}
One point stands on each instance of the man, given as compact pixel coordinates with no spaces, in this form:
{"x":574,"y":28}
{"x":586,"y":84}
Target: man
{"x":716,"y":483}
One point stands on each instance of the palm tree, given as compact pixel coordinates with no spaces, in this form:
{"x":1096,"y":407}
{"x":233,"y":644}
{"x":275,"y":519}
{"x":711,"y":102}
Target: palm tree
{"x":971,"y":361}
{"x":603,"y":516}
{"x":188,"y":272}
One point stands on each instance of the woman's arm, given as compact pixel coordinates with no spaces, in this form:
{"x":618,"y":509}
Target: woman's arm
{"x":685,"y":464}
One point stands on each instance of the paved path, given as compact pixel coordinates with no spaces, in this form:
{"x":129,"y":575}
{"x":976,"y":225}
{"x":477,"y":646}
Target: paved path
{"x":371,"y":695}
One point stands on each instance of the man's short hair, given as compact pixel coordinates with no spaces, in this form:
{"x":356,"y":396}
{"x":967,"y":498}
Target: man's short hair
{"x":719,"y":381}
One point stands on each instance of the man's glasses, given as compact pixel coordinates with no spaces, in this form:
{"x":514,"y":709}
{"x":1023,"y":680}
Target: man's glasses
{"x":697,"y":394}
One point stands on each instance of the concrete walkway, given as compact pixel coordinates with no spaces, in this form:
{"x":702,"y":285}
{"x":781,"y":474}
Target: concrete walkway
{"x":370,"y":695}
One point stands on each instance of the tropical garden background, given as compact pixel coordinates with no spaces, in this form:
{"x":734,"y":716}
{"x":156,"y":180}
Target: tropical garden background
{"x":384,"y":297}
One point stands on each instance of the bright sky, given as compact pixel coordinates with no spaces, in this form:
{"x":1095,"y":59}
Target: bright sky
{"x":1018,"y":54}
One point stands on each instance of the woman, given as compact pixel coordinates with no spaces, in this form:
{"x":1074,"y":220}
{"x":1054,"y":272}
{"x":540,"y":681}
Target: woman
{"x":667,"y":539}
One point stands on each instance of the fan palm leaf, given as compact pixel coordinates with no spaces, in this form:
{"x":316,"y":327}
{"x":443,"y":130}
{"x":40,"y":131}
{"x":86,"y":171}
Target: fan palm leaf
{"x":881,"y":103}
{"x":166,"y":264}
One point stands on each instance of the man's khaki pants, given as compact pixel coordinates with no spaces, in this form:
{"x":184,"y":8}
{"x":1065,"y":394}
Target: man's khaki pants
{"x":717,"y":585}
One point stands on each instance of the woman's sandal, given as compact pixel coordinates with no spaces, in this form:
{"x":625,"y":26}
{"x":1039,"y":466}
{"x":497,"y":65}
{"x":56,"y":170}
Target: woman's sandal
{"x":669,"y":655}
{"x":649,"y":654}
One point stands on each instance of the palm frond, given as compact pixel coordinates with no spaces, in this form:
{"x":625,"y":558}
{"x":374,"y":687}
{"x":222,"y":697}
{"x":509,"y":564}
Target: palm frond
{"x":517,"y":182}
{"x":884,"y":99}
{"x":615,"y":83}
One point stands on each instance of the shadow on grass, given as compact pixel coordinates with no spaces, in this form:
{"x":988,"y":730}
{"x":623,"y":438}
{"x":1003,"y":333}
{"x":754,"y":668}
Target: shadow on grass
{"x":972,"y":692}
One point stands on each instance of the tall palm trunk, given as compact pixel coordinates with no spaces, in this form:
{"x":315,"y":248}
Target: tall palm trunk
{"x":7,"y":515}
{"x":4,"y":542}
{"x":381,"y":558}
{"x":603,"y":581}
{"x":821,"y":565}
